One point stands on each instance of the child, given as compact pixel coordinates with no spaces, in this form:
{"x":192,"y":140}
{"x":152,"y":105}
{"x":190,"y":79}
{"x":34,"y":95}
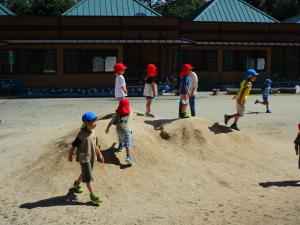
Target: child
{"x":241,"y":98}
{"x":87,"y":151}
{"x":194,"y":86}
{"x":266,"y":91}
{"x":150,"y":90}
{"x":297,"y":145}
{"x":120,"y":84}
{"x":184,"y":90}
{"x":121,"y":120}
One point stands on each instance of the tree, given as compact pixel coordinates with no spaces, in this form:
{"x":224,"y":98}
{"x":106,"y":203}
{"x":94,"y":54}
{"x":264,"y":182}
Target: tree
{"x":40,"y":7}
{"x":180,"y":8}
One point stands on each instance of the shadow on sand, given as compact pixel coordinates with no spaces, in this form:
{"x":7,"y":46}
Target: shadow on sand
{"x":158,"y":124}
{"x":287,"y":183}
{"x":216,"y":128}
{"x":69,"y":199}
{"x":110,"y":157}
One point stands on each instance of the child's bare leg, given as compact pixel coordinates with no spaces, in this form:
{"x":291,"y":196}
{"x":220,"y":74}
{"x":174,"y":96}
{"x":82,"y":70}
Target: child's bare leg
{"x":184,"y":108}
{"x":89,"y":187}
{"x":79,"y":179}
{"x":127,"y":152}
{"x":148,"y":105}
{"x":236,"y":118}
{"x":297,"y":149}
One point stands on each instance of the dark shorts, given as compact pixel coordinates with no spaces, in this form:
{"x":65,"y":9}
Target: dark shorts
{"x":149,"y":97}
{"x":87,"y":171}
{"x":266,"y":100}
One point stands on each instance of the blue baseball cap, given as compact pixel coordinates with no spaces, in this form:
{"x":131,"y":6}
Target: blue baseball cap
{"x":268,"y":81}
{"x":252,"y":72}
{"x":89,"y":116}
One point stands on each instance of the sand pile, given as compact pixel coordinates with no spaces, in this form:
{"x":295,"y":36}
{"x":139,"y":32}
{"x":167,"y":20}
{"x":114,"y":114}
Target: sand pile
{"x":187,"y":171}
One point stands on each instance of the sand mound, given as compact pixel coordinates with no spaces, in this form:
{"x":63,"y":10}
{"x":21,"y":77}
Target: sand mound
{"x":186,"y":171}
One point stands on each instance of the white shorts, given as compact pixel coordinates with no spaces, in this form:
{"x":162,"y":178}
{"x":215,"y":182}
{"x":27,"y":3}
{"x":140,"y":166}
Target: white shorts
{"x":240,"y":109}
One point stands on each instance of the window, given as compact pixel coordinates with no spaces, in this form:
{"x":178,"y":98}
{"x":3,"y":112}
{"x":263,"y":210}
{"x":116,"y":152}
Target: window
{"x":242,"y":60}
{"x":89,"y":60}
{"x":24,"y":61}
{"x":201,"y":60}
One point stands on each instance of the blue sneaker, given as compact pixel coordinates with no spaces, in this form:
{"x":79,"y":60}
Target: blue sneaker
{"x":120,"y":148}
{"x":268,"y":111}
{"x":128,"y":160}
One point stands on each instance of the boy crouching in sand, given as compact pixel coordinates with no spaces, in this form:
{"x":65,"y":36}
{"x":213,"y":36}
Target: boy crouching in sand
{"x":121,"y":120}
{"x":87,"y":149}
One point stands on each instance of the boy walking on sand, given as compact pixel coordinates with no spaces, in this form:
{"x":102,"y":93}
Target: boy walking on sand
{"x":184,"y":90}
{"x":297,"y":145}
{"x":241,"y":98}
{"x":87,"y":149}
{"x":121,"y":120}
{"x":120,"y":84}
{"x":266,"y":91}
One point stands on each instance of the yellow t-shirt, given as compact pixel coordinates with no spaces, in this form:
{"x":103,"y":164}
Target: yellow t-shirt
{"x":246,"y":86}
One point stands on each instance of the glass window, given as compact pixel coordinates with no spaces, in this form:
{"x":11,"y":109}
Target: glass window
{"x":89,"y":60}
{"x":24,"y":61}
{"x":201,"y":60}
{"x":242,"y":60}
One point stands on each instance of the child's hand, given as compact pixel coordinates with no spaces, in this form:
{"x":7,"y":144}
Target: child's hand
{"x":101,"y":158}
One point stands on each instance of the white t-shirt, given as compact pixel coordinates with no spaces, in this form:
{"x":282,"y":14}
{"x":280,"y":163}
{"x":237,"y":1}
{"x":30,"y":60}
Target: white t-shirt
{"x":194,"y":82}
{"x":120,"y":82}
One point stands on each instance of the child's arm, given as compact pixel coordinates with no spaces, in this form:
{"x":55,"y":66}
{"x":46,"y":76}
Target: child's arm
{"x":99,"y":154}
{"x":108,"y":127}
{"x":124,"y":89}
{"x":71,"y":153}
{"x":187,"y":90}
{"x":153,"y":88}
{"x":241,"y":95}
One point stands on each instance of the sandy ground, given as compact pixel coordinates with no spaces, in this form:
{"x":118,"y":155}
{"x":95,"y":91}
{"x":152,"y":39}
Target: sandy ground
{"x":192,"y":171}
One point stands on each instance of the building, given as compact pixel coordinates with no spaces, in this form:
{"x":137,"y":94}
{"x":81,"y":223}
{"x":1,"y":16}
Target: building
{"x":79,"y":49}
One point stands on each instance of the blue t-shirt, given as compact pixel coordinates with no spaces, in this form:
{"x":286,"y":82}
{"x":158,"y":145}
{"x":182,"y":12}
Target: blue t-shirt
{"x":184,"y":80}
{"x":266,"y":92}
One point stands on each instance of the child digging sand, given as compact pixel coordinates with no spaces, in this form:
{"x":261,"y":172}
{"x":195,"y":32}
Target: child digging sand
{"x":265,"y":96}
{"x":87,"y":149}
{"x":241,"y":98}
{"x":121,"y":120}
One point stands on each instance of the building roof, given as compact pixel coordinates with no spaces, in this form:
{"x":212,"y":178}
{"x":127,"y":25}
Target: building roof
{"x":295,"y":19}
{"x":5,"y":11}
{"x":230,"y":11}
{"x":110,"y":8}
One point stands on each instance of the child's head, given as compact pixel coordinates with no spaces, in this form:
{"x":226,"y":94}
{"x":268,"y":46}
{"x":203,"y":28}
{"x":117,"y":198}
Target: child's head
{"x":251,"y":75}
{"x":89,"y":120}
{"x":268,"y":82}
{"x":185,"y":70}
{"x":124,"y":107}
{"x":151,"y":70}
{"x":119,"y":68}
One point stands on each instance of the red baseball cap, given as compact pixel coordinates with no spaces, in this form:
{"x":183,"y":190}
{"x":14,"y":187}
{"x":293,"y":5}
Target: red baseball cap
{"x":119,"y":67}
{"x":151,"y":70}
{"x":124,"y":107}
{"x":184,"y":69}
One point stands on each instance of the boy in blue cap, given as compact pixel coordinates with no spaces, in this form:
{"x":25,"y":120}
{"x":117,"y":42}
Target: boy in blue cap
{"x":265,"y":95}
{"x":87,"y":149}
{"x":241,"y":98}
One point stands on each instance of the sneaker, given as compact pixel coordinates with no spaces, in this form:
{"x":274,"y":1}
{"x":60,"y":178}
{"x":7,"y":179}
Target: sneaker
{"x":95,"y":199}
{"x":235,"y":127}
{"x":120,"y":148}
{"x":226,"y":119}
{"x":150,"y":114}
{"x":77,"y":187}
{"x":128,"y":160}
{"x":186,"y":115}
{"x":268,"y":111}
{"x":256,"y":101}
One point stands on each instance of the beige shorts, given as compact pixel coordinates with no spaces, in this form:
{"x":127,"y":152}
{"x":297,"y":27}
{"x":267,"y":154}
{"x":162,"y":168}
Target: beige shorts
{"x":240,"y":109}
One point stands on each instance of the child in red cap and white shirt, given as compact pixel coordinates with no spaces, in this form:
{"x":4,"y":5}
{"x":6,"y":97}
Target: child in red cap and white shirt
{"x":121,"y":120}
{"x":297,"y":145}
{"x":150,"y":89}
{"x":184,"y":90}
{"x":120,"y":84}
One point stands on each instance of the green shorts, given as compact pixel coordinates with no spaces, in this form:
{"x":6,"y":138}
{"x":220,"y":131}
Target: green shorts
{"x":87,"y":171}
